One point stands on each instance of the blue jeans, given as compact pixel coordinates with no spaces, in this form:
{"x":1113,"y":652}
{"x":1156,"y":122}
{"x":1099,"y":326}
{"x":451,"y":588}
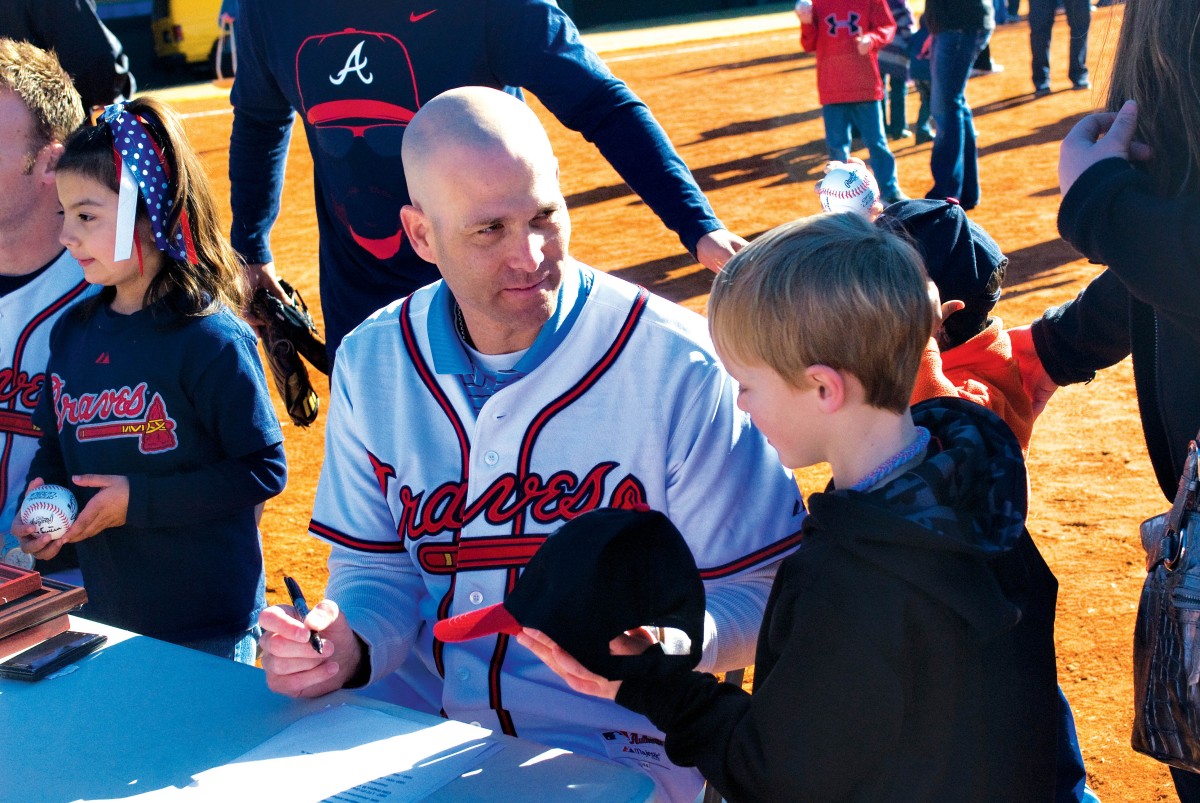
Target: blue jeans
{"x":953,"y":161}
{"x":1041,"y":21}
{"x":241,"y":647}
{"x":867,"y":117}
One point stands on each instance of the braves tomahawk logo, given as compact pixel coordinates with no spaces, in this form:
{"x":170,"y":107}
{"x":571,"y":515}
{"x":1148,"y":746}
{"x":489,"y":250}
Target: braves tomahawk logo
{"x":120,"y":413}
{"x":850,"y":24}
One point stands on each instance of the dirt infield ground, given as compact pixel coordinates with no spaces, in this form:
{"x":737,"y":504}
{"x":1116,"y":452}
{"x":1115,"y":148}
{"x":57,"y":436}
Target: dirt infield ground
{"x":744,"y":114}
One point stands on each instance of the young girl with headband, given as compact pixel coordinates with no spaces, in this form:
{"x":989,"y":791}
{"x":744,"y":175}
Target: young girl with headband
{"x":157,"y":414}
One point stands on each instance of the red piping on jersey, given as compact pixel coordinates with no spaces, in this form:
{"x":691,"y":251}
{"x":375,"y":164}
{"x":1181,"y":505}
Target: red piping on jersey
{"x":464,"y":450}
{"x":327,"y":533}
{"x":18,"y":353}
{"x":49,"y":311}
{"x":763,"y":555}
{"x":584,"y":385}
{"x":526,"y":457}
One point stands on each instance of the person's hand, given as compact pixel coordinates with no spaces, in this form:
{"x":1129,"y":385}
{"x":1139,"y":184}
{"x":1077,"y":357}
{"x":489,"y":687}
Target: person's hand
{"x":714,"y":249}
{"x":108,"y":508}
{"x":293,"y":667}
{"x":260,"y":274}
{"x":1037,"y":383}
{"x":1097,"y":137}
{"x":28,"y":538}
{"x":575,"y":674}
{"x":941,"y":311}
{"x":864,"y":45}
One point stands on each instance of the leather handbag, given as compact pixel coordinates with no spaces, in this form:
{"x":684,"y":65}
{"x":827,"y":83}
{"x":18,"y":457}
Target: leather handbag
{"x":1166,"y":640}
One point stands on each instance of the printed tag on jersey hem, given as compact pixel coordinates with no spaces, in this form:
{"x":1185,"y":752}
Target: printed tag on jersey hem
{"x":630,"y":746}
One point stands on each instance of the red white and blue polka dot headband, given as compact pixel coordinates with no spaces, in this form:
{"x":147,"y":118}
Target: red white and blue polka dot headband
{"x":142,"y":169}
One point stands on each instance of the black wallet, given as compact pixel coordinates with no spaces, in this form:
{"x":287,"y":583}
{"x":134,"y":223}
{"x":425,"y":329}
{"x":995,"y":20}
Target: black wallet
{"x":54,"y":653}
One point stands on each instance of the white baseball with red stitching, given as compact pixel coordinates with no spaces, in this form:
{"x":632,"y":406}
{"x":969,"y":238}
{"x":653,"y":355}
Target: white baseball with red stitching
{"x":51,"y":508}
{"x":848,"y":188}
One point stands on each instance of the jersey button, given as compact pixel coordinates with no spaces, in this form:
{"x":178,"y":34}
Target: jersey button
{"x":475,"y":598}
{"x":463,"y":674}
{"x":491,"y":458}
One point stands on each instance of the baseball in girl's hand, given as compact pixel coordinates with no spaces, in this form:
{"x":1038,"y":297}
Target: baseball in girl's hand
{"x":50,"y":508}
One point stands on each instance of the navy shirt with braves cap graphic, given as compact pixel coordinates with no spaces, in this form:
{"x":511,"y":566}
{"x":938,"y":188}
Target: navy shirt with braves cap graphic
{"x":357,"y":72}
{"x":181,"y":407}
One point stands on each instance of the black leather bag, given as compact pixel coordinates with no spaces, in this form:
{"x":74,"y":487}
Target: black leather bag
{"x":1166,"y":639}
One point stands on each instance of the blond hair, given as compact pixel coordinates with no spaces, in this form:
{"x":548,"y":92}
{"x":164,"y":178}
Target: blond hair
{"x":827,"y":290}
{"x":39,"y":81}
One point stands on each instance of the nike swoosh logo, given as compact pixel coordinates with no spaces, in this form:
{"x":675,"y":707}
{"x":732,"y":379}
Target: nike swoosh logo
{"x":415,"y":17}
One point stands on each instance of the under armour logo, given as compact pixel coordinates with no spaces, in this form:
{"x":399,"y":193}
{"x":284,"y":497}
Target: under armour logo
{"x":851,"y":24}
{"x":102,"y":359}
{"x":355,"y":63}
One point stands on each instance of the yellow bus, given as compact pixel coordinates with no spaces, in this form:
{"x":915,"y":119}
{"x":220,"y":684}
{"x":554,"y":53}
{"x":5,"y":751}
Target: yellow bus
{"x":194,"y":34}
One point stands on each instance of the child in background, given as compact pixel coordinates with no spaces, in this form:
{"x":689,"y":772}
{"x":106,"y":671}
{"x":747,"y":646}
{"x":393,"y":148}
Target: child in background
{"x":893,"y":67}
{"x":846,"y":36}
{"x":156,"y":412}
{"x":970,"y":355}
{"x":907,"y":651}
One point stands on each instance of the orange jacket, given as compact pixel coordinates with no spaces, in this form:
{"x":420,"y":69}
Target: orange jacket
{"x":981,"y":370}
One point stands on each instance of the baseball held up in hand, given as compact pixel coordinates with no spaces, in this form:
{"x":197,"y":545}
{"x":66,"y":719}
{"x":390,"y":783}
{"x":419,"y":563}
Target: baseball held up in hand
{"x":804,"y":11}
{"x":50,"y":508}
{"x":848,"y":187}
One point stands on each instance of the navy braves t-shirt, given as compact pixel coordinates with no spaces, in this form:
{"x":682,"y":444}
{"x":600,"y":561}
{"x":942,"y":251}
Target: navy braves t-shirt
{"x":173,"y":403}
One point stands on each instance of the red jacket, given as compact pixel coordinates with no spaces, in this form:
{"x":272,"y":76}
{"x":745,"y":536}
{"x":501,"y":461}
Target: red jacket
{"x":981,"y":370}
{"x":843,"y":75}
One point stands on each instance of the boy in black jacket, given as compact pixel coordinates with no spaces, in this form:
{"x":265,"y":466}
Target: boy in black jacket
{"x":907,"y":649}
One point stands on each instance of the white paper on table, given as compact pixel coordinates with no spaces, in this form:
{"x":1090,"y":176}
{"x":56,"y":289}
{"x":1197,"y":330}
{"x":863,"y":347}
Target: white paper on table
{"x":350,"y":753}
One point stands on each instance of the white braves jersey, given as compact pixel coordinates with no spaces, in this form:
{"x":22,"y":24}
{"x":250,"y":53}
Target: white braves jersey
{"x":631,"y":407}
{"x":26,"y":317}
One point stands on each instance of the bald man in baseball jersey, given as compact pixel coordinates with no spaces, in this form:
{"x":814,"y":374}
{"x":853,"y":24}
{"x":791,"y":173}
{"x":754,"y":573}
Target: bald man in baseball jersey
{"x":39,"y":108}
{"x":469,"y":420}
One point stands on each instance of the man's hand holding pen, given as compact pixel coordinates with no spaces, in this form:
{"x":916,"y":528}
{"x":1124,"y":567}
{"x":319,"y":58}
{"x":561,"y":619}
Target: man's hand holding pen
{"x":289,"y":658}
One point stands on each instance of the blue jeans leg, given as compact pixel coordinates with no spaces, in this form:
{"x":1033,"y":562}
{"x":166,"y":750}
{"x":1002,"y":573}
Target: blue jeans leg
{"x":868,"y":118}
{"x":953,"y":161}
{"x":897,"y":95}
{"x":923,"y":92}
{"x":1041,"y":21}
{"x":837,"y":117}
{"x":1079,"y":19}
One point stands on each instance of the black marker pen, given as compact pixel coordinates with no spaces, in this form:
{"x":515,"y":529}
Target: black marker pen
{"x":301,"y":607}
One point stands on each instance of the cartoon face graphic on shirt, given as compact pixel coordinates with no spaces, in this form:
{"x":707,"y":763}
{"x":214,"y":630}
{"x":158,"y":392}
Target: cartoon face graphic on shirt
{"x":358,"y":93}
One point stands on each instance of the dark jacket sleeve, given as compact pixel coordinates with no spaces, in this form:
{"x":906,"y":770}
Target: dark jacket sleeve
{"x":1086,"y":334}
{"x":1112,"y":216}
{"x":813,"y":730}
{"x":235,"y":408}
{"x":228,"y":486}
{"x":258,"y":142}
{"x":533,"y":44}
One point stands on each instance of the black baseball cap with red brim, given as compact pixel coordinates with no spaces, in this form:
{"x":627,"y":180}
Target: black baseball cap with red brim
{"x":601,"y":574}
